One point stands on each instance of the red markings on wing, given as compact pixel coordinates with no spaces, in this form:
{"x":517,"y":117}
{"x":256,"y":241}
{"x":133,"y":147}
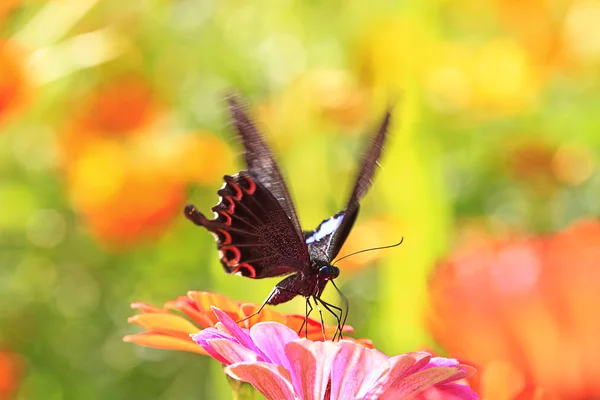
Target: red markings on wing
{"x":226,"y":216}
{"x":227,"y":236}
{"x":238,"y":191}
{"x":231,"y":207}
{"x":251,"y":184}
{"x":230,"y":255}
{"x":245,"y":269}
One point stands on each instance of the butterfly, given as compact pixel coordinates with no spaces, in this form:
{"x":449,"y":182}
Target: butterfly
{"x":256,"y":226}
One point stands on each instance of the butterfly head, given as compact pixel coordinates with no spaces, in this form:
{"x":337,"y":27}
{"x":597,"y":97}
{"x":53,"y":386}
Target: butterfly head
{"x":328,"y":272}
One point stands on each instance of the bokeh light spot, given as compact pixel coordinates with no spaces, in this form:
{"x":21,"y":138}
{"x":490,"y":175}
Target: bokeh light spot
{"x":77,"y":294}
{"x":581,"y":32}
{"x":35,"y":148}
{"x":572,"y":164}
{"x":283,"y":57}
{"x":17,"y":205}
{"x":46,"y":228}
{"x":35,"y":278}
{"x":118,"y":355}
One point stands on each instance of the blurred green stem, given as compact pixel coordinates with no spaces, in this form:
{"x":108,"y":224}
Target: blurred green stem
{"x":241,"y":390}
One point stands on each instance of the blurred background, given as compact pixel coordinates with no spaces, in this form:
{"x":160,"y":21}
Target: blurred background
{"x":112,"y":118}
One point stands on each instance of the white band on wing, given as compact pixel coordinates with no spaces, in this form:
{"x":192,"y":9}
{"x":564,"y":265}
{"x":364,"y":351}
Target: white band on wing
{"x":326,"y":228}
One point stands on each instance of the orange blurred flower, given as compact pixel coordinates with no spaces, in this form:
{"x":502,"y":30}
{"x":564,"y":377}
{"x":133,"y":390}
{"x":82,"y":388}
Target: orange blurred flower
{"x":544,"y":166}
{"x":127,"y":172}
{"x":526,"y":312}
{"x":120,"y":106}
{"x":167,"y":330}
{"x":14,"y":82}
{"x":10,"y":373}
{"x":542,"y":38}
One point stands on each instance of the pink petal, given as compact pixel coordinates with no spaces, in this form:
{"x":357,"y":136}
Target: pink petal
{"x":443,"y":362}
{"x":451,"y":391}
{"x":416,"y":383}
{"x":462,"y":372}
{"x":355,"y":370}
{"x":203,"y":337}
{"x":424,"y":361}
{"x":271,"y":338}
{"x":273,"y":381}
{"x":233,"y":352}
{"x":400,"y":366}
{"x":241,"y":335}
{"x":310,"y":366}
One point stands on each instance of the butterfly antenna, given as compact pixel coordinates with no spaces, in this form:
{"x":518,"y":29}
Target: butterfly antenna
{"x":371,"y":249}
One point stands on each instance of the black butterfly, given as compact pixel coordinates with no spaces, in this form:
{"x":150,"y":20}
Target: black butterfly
{"x":256,"y":226}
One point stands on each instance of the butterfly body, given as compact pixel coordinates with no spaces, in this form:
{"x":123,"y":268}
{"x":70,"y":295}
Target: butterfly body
{"x":256,"y":227}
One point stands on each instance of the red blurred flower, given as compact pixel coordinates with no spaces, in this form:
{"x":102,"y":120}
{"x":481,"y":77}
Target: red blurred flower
{"x":10,"y":373}
{"x":120,"y":106}
{"x":526,"y":312}
{"x":168,"y":330}
{"x":14,"y":81}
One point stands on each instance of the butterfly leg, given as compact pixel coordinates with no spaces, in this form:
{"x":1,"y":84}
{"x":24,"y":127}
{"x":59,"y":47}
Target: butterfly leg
{"x":338,"y":317}
{"x":261,"y":306}
{"x":321,"y":318}
{"x":279,"y":294}
{"x":305,"y":322}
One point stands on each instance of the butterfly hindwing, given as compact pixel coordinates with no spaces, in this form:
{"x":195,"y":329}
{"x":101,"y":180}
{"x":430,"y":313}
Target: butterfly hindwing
{"x":254,"y":236}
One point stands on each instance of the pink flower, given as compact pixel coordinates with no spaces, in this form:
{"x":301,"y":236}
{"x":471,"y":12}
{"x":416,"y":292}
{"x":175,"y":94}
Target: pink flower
{"x":280,"y":365}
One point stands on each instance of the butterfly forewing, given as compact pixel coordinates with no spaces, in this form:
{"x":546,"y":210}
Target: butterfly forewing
{"x":260,"y":161}
{"x":326,"y":241}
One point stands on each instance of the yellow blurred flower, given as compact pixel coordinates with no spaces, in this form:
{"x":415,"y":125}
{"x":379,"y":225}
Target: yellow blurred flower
{"x":498,"y":77}
{"x":334,"y":94}
{"x":393,"y":52}
{"x":525,"y":311}
{"x":169,"y":330}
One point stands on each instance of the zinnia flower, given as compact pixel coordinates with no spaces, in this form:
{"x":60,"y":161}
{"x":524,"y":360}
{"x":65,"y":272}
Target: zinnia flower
{"x":526,"y":312}
{"x":167,"y":330}
{"x":281,"y":365}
